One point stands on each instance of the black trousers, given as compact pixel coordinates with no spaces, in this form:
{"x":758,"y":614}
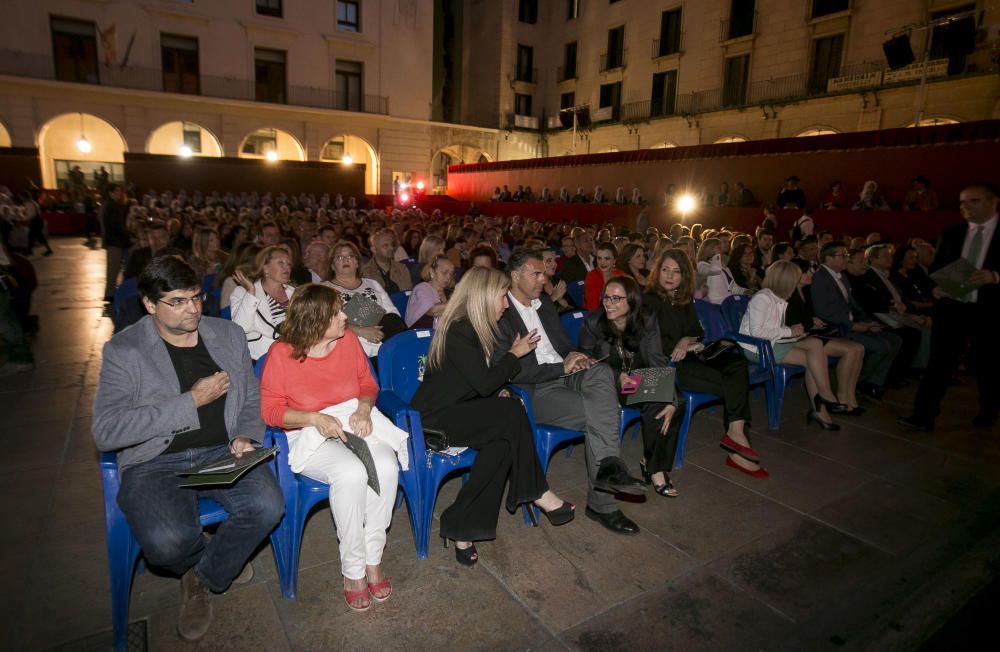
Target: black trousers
{"x":955,"y":325}
{"x":731,"y":382}
{"x":659,"y":450}
{"x":498,"y":429}
{"x":904,"y":358}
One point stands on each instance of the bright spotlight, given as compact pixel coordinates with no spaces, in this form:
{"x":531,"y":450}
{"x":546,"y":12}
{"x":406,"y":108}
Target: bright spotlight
{"x":271,"y":155}
{"x":685,"y":204}
{"x":184,"y":151}
{"x":347,"y":160}
{"x":403,"y":185}
{"x":420,"y":185}
{"x":84,"y":145}
{"x":404,"y":197}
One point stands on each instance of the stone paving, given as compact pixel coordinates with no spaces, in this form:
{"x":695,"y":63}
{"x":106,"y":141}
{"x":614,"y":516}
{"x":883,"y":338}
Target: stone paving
{"x":868,"y":538}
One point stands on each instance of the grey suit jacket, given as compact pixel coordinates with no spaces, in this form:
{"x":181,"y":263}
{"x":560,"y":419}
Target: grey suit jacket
{"x":829,"y":303}
{"x":139,"y":407}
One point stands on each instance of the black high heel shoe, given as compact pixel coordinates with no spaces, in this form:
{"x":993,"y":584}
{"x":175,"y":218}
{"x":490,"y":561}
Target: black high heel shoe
{"x":558,"y":516}
{"x":465,"y":556}
{"x":813,"y":415}
{"x":833,"y":407}
{"x":647,"y":477}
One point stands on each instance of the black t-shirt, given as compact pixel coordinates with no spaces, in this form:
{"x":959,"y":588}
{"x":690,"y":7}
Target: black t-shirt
{"x":191,"y":364}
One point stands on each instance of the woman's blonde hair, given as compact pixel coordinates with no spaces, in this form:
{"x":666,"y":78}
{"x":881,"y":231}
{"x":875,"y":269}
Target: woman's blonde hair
{"x":264,"y":256}
{"x":706,"y":245}
{"x":425,"y":272}
{"x":429,"y":247}
{"x":474,"y":301}
{"x":782,"y":278}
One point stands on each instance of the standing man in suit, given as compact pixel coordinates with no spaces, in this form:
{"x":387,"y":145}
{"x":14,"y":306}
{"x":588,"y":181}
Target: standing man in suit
{"x":834,"y":303}
{"x":568,"y":389}
{"x":177,"y":391}
{"x":576,"y":268}
{"x":973,"y":316}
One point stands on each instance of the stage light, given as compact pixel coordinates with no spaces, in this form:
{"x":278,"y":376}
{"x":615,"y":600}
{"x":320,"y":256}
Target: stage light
{"x":420,"y":186}
{"x":685,"y":204}
{"x":184,"y":151}
{"x":271,"y":155}
{"x":403,"y":185}
{"x":84,"y":146}
{"x":404,"y":197}
{"x":347,"y":160}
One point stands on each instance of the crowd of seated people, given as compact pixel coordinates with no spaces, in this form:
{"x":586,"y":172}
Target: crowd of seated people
{"x":492,"y":289}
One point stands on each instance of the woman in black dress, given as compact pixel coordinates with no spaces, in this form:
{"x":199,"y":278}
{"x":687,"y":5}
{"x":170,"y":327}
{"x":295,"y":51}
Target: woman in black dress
{"x":461,"y":395}
{"x":669,"y":296}
{"x":630,"y":340}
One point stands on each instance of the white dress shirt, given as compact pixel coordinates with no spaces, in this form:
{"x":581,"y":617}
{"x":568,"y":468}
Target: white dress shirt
{"x":545,"y":353}
{"x":839,"y":278}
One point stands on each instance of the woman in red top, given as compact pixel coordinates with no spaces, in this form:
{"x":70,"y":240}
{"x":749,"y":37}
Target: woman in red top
{"x":604,"y":270}
{"x":317,"y":384}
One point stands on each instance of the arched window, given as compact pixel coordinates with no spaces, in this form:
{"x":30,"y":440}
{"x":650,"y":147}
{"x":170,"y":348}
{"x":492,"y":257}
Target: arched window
{"x":817,"y":131}
{"x":734,"y":138}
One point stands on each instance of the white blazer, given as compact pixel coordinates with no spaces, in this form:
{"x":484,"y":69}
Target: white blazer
{"x":765,"y":318}
{"x":254,"y":318}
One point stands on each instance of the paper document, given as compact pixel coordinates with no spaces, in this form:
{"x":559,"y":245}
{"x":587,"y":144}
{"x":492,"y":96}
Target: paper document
{"x":954,"y":278}
{"x":224,"y":471}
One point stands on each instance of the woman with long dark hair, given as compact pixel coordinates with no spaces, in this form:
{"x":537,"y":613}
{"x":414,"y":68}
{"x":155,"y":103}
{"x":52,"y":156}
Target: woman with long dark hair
{"x":670,"y":296}
{"x":630,"y":339}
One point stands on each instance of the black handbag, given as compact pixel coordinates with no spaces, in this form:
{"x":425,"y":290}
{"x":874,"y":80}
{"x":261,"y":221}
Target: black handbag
{"x":435,"y":440}
{"x":721,"y":353}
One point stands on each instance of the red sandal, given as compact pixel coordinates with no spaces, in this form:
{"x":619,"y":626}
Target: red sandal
{"x":379,"y":586}
{"x":354,"y":596}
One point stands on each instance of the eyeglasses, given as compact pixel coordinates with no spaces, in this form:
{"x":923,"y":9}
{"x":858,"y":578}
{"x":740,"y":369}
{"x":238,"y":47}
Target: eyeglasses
{"x":182,"y":302}
{"x":345,"y":257}
{"x":613,"y":299}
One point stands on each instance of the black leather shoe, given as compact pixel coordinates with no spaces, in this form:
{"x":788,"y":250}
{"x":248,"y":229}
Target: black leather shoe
{"x":870,"y":392}
{"x":984,"y":420}
{"x":916,"y":423}
{"x":616,"y":521}
{"x":613,"y":477}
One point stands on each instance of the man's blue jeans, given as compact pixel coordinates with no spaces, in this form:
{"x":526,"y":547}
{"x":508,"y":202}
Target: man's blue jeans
{"x":164,"y":517}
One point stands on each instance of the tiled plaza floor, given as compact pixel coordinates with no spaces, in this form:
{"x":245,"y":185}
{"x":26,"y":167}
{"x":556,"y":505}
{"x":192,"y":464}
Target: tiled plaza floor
{"x":864,"y":539}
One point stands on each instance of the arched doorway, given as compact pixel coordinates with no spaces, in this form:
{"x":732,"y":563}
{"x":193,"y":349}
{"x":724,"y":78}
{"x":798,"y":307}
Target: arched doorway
{"x":5,"y":140}
{"x":183,"y":139}
{"x":348,"y":149}
{"x":75,"y":144}
{"x":271,"y":144}
{"x":456,"y":154}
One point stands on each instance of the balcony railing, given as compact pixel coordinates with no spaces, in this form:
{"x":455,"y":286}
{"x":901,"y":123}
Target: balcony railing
{"x":614,"y":62}
{"x":737,"y":27}
{"x":39,"y":66}
{"x":515,"y":121}
{"x":666,"y":48}
{"x":527,"y":75}
{"x":565,"y":74}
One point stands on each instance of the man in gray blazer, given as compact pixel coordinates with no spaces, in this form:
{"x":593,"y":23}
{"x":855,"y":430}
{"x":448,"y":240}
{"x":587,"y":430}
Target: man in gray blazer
{"x":177,"y":391}
{"x":568,"y":389}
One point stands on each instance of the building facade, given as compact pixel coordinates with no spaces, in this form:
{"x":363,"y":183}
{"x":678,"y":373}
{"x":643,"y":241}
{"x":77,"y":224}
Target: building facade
{"x":343,"y":81}
{"x":637,"y":74}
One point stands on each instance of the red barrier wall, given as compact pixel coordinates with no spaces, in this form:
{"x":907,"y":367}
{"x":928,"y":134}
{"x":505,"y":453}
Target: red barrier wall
{"x":950,"y":156}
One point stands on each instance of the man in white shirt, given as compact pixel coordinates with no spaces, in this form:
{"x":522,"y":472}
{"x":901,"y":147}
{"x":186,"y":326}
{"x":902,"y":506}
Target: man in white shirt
{"x":973,"y":316}
{"x":568,"y":389}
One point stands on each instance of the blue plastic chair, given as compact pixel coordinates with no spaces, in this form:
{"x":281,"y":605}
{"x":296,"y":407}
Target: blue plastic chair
{"x":400,"y":299}
{"x":572,"y":322}
{"x":733,"y":309}
{"x":226,"y":313}
{"x":123,"y":548}
{"x":126,"y":290}
{"x":547,"y":439}
{"x":401,"y":364}
{"x":575,"y":292}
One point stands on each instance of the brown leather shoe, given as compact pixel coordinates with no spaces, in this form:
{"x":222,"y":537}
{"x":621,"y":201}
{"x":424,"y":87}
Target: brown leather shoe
{"x":245,"y":576}
{"x":196,"y":611}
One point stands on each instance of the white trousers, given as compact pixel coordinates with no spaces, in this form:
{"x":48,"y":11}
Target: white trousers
{"x":360,"y":515}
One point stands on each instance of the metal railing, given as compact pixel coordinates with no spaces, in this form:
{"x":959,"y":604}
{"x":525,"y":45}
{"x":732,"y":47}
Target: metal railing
{"x":777,"y":88}
{"x":529,"y":76}
{"x":615,"y":62}
{"x":635,"y":111}
{"x":667,"y":48}
{"x":564,"y":74}
{"x":40,"y":66}
{"x":732,"y":28}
